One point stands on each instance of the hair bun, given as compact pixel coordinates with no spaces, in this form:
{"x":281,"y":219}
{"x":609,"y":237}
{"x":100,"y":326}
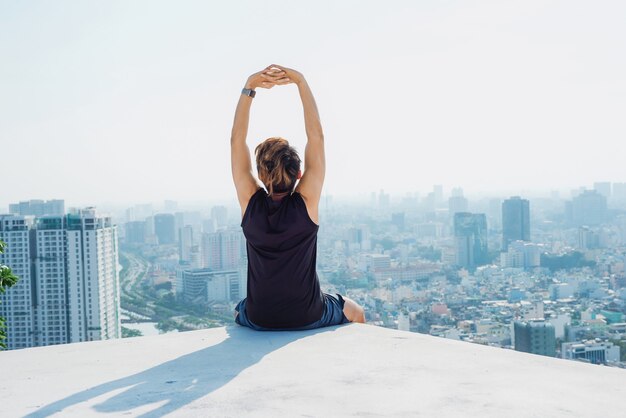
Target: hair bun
{"x":278,"y":164}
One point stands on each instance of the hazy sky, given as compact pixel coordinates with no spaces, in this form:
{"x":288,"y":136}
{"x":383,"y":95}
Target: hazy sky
{"x":133,"y":100}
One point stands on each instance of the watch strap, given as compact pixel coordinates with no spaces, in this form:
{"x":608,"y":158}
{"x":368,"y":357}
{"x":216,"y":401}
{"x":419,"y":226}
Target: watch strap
{"x":248,"y":92}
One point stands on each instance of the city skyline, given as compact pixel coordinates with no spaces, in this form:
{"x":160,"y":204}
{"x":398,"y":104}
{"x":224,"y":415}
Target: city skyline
{"x":159,"y":204}
{"x":135,"y":101}
{"x":522,"y":274}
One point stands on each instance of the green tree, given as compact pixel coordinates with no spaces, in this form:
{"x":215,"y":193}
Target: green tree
{"x":7,"y":279}
{"x":127,"y":332}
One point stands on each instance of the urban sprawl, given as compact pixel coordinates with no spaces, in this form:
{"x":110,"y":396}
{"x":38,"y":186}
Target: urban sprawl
{"x":543,"y":275}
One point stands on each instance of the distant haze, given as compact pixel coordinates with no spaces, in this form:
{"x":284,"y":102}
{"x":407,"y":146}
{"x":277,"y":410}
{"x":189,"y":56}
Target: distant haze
{"x":133,"y":101}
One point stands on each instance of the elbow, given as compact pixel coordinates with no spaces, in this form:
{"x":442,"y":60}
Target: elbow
{"x":237,"y":139}
{"x":315,"y":136}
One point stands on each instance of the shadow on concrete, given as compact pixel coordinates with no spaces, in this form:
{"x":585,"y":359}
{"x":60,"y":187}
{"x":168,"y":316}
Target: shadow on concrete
{"x":185,"y":379}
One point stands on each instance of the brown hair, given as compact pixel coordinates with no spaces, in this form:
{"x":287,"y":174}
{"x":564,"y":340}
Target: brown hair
{"x":278,"y":164}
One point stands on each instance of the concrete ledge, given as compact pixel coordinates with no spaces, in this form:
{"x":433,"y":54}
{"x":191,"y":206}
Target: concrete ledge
{"x":351,"y":370}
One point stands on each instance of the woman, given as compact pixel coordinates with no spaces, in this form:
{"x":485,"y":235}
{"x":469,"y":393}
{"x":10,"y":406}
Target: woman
{"x":281,"y":224}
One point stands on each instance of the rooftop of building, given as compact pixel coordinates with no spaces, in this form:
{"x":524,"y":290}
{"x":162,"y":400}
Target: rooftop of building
{"x":351,"y":370}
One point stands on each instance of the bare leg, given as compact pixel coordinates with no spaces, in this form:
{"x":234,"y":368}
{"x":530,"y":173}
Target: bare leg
{"x":353,"y":311}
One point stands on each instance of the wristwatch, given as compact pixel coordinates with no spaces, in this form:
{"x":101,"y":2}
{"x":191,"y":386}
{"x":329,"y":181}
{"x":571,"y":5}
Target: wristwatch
{"x":248,"y":92}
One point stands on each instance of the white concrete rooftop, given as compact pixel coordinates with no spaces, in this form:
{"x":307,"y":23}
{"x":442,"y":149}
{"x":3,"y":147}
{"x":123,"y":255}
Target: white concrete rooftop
{"x":351,"y":370}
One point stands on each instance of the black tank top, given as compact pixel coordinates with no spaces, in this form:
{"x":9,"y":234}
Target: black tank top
{"x":283,"y":287}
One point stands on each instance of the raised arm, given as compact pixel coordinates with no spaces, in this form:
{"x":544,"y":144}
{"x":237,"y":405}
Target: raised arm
{"x":310,"y":186}
{"x":241,"y":164}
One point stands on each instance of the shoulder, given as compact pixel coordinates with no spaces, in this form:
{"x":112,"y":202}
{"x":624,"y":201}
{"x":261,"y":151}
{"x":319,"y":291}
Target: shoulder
{"x":298,"y":198}
{"x":310,"y":209}
{"x":258,"y":195}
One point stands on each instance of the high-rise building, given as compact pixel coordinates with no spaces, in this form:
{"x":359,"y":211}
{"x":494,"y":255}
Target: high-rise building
{"x":69,"y":284}
{"x":135,"y":232}
{"x":535,"y":336}
{"x":179,"y":222}
{"x":220,"y":215}
{"x":438,"y":194}
{"x":150,"y":237}
{"x":359,"y":237}
{"x":38,"y":207}
{"x":515,"y":221}
{"x":589,"y":208}
{"x":17,"y":304}
{"x":429,"y":230}
{"x":621,"y":224}
{"x":139,"y":212}
{"x":209,"y":225}
{"x":470,"y":234}
{"x":521,"y":254}
{"x":222,"y":250}
{"x":603,"y":187}
{"x":165,"y":228}
{"x":211,"y":251}
{"x":456,"y":192}
{"x":457,"y":204}
{"x":185,"y":243}
{"x":590,"y":239}
{"x":130,"y":215}
{"x":619,"y":191}
{"x":494,"y":213}
{"x":397,"y":219}
{"x":383,"y":199}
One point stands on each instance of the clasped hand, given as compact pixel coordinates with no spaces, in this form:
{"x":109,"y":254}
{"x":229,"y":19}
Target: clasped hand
{"x":274,"y":75}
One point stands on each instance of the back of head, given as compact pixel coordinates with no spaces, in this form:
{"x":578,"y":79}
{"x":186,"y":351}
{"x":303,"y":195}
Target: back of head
{"x":278,"y":165}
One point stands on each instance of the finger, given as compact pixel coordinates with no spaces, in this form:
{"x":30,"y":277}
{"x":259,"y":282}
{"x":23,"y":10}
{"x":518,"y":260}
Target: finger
{"x":267,"y":84}
{"x":271,"y":78}
{"x":284,"y":80}
{"x":273,"y":73}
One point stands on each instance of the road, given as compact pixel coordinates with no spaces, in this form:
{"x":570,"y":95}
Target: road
{"x":131,"y":286}
{"x":136,"y":271}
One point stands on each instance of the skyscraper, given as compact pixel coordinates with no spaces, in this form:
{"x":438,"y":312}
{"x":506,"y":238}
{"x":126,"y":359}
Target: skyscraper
{"x":535,"y":336}
{"x":135,"y":232}
{"x":165,"y":228}
{"x":438,"y":194}
{"x":589,"y":208}
{"x":619,"y":191}
{"x":515,"y":221}
{"x":38,"y":207}
{"x":470,"y":234}
{"x":220,"y":215}
{"x":185,"y":243}
{"x":457,"y":204}
{"x":603,"y":187}
{"x":222,"y":250}
{"x":69,"y":287}
{"x":397,"y":219}
{"x":17,"y":304}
